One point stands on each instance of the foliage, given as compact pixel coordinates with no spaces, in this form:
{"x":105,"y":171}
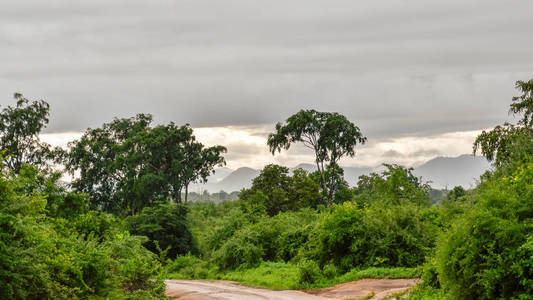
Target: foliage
{"x":500,"y":143}
{"x":330,"y":135}
{"x":378,"y":235}
{"x":126,"y":165}
{"x":272,"y":275}
{"x":395,"y":185}
{"x":277,"y":191}
{"x":165,"y":225}
{"x":190,"y":267}
{"x":19,"y":129}
{"x":274,"y":182}
{"x":523,"y":104}
{"x":52,"y":258}
{"x":487,"y":253}
{"x":270,"y":239}
{"x":456,"y":193}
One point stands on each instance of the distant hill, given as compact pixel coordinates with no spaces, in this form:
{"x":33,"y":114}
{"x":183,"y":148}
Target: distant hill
{"x":232,"y":181}
{"x":220,"y":173}
{"x":238,"y":179}
{"x":443,"y":172}
{"x":447,"y":172}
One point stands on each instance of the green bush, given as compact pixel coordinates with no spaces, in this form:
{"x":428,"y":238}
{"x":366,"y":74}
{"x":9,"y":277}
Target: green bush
{"x":379,"y":235}
{"x":54,"y":258}
{"x":165,"y":225}
{"x":488,"y":252}
{"x":270,"y":239}
{"x":309,"y":271}
{"x":189,"y":267}
{"x":241,"y":250}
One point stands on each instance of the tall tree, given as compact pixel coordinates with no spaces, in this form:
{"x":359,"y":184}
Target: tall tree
{"x":183,"y":159}
{"x":127,"y":165}
{"x":20,"y":126}
{"x":107,"y":160}
{"x":330,"y":135}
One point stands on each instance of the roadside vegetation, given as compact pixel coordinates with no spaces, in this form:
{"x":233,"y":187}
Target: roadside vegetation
{"x":126,"y":221}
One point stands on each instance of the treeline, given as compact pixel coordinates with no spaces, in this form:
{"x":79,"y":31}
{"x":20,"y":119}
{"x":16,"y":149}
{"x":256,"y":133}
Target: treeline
{"x":126,"y":221}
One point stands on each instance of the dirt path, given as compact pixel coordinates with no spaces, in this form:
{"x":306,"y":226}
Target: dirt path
{"x":208,"y":290}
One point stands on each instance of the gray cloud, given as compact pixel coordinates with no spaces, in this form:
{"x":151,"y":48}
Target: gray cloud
{"x":397,"y":68}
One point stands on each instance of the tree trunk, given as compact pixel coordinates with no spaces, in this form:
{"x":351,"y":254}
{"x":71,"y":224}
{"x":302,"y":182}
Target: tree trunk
{"x":186,"y":192}
{"x":323,"y":179}
{"x":177,"y":196}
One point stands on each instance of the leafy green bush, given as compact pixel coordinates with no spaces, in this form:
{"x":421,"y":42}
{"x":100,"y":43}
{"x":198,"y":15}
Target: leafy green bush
{"x":396,"y":185}
{"x":165,"y":225}
{"x":309,"y":271}
{"x":378,"y":235}
{"x":281,"y":192}
{"x":189,"y":267}
{"x":241,"y":250}
{"x":488,"y":252}
{"x":54,"y":258}
{"x":270,"y":239}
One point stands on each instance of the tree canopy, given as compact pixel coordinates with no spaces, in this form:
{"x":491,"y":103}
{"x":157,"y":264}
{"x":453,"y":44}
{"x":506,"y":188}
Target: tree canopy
{"x":129,"y":164}
{"x":277,"y":191}
{"x":20,"y":126}
{"x":330,"y":135}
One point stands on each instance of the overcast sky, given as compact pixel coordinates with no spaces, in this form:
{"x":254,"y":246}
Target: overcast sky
{"x":420,"y":78}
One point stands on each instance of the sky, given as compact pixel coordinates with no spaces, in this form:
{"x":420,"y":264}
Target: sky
{"x":420,"y":78}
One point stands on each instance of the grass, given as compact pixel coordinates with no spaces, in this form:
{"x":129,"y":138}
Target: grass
{"x":271,"y":275}
{"x":427,"y":293}
{"x":277,"y":275}
{"x":378,"y":273}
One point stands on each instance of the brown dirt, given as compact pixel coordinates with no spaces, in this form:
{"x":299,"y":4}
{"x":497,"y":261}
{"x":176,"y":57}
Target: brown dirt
{"x":210,"y":290}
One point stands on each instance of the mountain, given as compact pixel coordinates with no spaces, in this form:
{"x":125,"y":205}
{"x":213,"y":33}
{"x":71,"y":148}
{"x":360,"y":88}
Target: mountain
{"x":220,"y":174}
{"x":442,"y":172}
{"x":226,"y":179}
{"x":236,"y":180}
{"x":447,"y":172}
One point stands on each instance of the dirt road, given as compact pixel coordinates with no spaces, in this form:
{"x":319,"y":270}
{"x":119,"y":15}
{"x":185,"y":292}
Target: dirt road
{"x":209,"y":290}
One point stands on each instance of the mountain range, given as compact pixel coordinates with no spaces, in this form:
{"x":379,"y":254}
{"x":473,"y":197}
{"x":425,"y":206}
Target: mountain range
{"x":440,"y":172}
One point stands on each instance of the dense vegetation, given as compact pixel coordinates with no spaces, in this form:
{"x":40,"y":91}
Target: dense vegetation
{"x":124,"y":224}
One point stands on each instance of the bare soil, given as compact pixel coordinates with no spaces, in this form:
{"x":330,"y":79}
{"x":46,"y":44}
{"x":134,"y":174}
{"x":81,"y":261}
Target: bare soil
{"x":209,"y":290}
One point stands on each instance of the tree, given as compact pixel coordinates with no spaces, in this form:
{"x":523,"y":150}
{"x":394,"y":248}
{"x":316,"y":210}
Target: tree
{"x":19,"y":133}
{"x":278,"y":191}
{"x":127,"y":165}
{"x":304,"y":191}
{"x":524,"y":103}
{"x":395,"y":185}
{"x":274,"y":182}
{"x":330,"y":135}
{"x":175,"y":155}
{"x":499,"y":144}
{"x":107,"y":164}
{"x":456,"y":193}
{"x":201,"y":161}
{"x":165,"y":224}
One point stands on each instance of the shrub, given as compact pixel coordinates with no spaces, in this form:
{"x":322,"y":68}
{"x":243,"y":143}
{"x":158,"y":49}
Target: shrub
{"x":378,"y":235}
{"x":309,"y":271}
{"x":270,"y":239}
{"x":54,"y":258}
{"x":487,"y":253}
{"x":165,"y":225}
